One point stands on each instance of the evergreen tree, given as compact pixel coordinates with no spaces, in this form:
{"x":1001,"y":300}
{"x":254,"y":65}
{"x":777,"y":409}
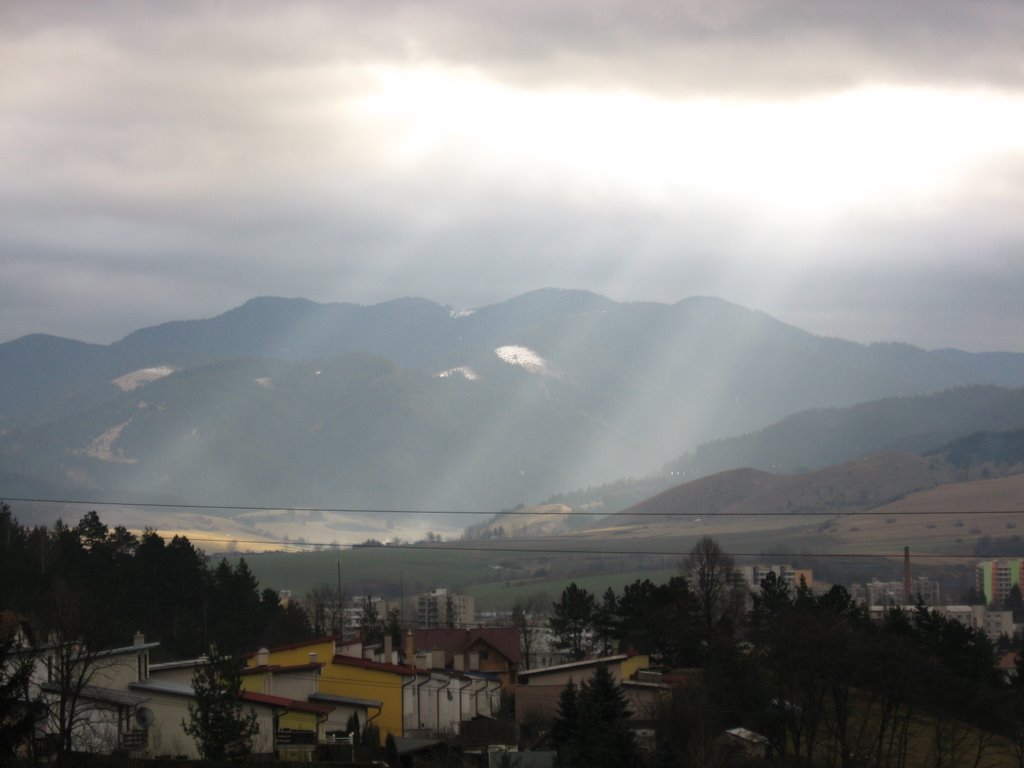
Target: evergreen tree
{"x":573,"y":620}
{"x":565,"y":731}
{"x":16,"y":715}
{"x":216,"y":720}
{"x":607,"y":622}
{"x":592,"y":725}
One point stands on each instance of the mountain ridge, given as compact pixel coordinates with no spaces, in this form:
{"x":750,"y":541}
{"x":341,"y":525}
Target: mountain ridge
{"x":619,"y":387}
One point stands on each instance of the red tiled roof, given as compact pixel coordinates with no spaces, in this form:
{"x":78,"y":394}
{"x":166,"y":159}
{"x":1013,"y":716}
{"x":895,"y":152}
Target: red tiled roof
{"x":292,"y":704}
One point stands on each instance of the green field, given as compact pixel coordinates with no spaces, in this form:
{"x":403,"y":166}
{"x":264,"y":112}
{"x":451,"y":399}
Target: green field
{"x":500,"y":596}
{"x":494,"y":578}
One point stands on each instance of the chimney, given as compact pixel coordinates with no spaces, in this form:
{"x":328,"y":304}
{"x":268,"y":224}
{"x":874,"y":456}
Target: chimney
{"x":908,"y":597}
{"x":263,"y":657}
{"x":139,"y":639}
{"x":388,"y":658}
{"x":410,"y":647}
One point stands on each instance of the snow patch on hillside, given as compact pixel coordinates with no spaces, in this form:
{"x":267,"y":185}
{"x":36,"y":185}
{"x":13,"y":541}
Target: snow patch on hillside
{"x":522,"y":356}
{"x":102,"y":447}
{"x":463,"y":370}
{"x":141,"y":377}
{"x":455,"y":314}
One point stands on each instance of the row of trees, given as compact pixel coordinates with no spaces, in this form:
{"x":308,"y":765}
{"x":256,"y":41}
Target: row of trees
{"x":683,"y":621}
{"x":825,"y":684}
{"x":103,"y":584}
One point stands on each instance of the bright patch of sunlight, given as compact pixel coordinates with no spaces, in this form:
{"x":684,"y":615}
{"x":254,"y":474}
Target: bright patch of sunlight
{"x":873,"y":146}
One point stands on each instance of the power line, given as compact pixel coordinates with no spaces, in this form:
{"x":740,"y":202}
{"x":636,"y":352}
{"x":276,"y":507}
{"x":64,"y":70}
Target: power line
{"x":524,"y":512}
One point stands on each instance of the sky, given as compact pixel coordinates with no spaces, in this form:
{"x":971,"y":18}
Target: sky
{"x":855,"y":169}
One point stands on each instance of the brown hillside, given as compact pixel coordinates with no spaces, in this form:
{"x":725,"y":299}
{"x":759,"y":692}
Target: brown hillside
{"x":702,"y":497}
{"x":948,"y":518}
{"x":749,"y":501}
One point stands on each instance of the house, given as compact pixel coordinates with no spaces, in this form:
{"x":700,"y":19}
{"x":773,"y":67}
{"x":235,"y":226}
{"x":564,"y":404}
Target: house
{"x":166,"y":709}
{"x":85,"y":693}
{"x":289,"y":719}
{"x":494,"y":650}
{"x":397,"y":699}
{"x":743,"y":746}
{"x":372,"y":690}
{"x":538,"y":690}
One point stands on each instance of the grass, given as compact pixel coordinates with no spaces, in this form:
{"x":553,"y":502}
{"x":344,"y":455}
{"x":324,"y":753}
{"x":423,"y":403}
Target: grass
{"x":495,"y":579}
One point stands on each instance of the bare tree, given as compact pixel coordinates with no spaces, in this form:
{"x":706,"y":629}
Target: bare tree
{"x":75,"y":664}
{"x":718,"y":589}
{"x":528,"y":617}
{"x":324,"y":606}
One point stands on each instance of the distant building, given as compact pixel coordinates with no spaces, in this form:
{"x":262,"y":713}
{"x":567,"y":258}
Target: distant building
{"x":993,"y":623}
{"x":884,"y":593}
{"x":352,"y":617}
{"x":995,"y":578}
{"x":442,"y":608}
{"x":753,"y":575}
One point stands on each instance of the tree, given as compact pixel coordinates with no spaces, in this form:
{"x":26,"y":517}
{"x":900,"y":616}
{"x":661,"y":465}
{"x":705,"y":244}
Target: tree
{"x":524,"y":618}
{"x":75,"y":658}
{"x":1015,"y":602}
{"x":573,"y":620}
{"x":393,"y":627}
{"x":216,"y":720}
{"x":607,"y":622}
{"x":324,"y":605}
{"x":592,"y":726}
{"x":658,"y":619}
{"x":16,"y":711}
{"x":565,"y":730}
{"x":371,"y":628}
{"x":718,"y":591}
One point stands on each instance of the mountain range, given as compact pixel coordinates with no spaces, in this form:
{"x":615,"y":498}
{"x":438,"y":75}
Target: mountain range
{"x":414,"y":405}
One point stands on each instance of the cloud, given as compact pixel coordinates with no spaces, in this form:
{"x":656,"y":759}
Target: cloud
{"x":163,"y":161}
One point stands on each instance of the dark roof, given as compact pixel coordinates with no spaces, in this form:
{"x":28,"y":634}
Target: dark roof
{"x":98,"y":693}
{"x":574,"y":665}
{"x":281,"y":701}
{"x":352,"y":661}
{"x":505,"y":640}
{"x":276,"y":668}
{"x":334,"y":698}
{"x":163,"y":686}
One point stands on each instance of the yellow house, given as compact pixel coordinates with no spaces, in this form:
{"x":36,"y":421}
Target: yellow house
{"x":382,"y":686}
{"x":287,"y":689}
{"x":386,"y":683}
